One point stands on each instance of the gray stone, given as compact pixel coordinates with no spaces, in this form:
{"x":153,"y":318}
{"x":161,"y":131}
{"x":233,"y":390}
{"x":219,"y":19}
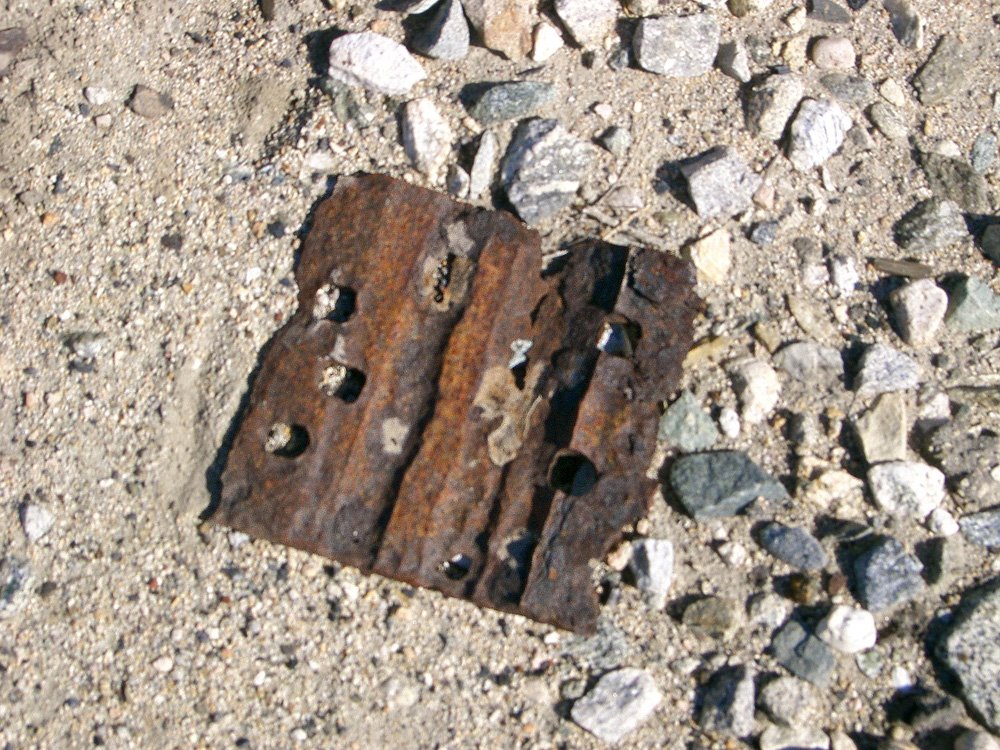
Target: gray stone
{"x":714,"y":615}
{"x":803,"y":654}
{"x":886,"y":576}
{"x":12,"y":41}
{"x":714,"y":485}
{"x":481,"y":174}
{"x":512,"y":101}
{"x":945,"y":75}
{"x":720,"y":183}
{"x":764,"y":233}
{"x":652,"y":564}
{"x":828,"y":11}
{"x":984,"y":152}
{"x":972,"y":740}
{"x":889,"y":121}
{"x":503,"y":26}
{"x":446,"y":36}
{"x":15,"y":580}
{"x":883,"y":429}
{"x":817,"y":133}
{"x":606,"y":649}
{"x":457,"y":182}
{"x":618,"y":704}
{"x":931,"y":225}
{"x":588,"y":21}
{"x":972,"y":650}
{"x":36,"y":521}
{"x":679,"y":47}
{"x":734,"y":61}
{"x":884,"y":369}
{"x":686,"y":426}
{"x":955,"y":180}
{"x":374,"y":62}
{"x":728,"y":702}
{"x":794,"y":546}
{"x":990,"y":242}
{"x":906,"y":488}
{"x":542,"y":169}
{"x":148,"y":103}
{"x":918,"y":310}
{"x":973,"y":307}
{"x":810,"y":362}
{"x":770,"y":104}
{"x":982,"y":528}
{"x":789,"y":701}
{"x":617,"y":140}
{"x":426,"y":137}
{"x":848,"y":88}
{"x":907,"y":25}
{"x":793,"y":738}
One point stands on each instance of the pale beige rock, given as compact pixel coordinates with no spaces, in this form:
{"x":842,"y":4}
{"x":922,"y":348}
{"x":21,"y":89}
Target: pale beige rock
{"x":883,"y":429}
{"x":503,"y":25}
{"x":712,"y":256}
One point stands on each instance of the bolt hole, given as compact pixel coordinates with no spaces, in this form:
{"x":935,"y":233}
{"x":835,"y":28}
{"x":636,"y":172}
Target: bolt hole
{"x":620,"y":339}
{"x":335,"y":303}
{"x":343,"y":382}
{"x":287,"y":441}
{"x":572,"y":473}
{"x":457,"y":567}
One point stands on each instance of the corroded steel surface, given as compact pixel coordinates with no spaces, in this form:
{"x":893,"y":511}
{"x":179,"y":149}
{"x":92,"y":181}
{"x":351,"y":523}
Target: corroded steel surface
{"x":439,"y":412}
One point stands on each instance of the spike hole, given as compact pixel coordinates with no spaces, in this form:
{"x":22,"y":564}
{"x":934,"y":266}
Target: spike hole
{"x":620,"y":339}
{"x":572,"y":473}
{"x":287,"y":441}
{"x":343,"y":382}
{"x":457,"y":567}
{"x":336,"y":303}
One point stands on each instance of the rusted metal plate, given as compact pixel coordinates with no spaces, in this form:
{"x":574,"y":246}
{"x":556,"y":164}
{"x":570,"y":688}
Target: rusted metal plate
{"x":439,"y":412}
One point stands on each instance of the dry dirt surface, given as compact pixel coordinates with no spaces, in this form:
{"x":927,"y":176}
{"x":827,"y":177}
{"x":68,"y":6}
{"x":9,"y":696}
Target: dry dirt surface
{"x":148,"y":240}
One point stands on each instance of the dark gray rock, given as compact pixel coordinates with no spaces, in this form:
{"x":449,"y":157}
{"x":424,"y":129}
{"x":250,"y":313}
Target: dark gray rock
{"x":15,"y":578}
{"x":931,"y":225}
{"x":12,"y":41}
{"x":793,"y":545}
{"x":446,"y":36}
{"x":686,"y":426}
{"x":982,"y":528}
{"x":542,"y":169}
{"x":973,"y":307}
{"x":512,"y":101}
{"x":984,"y":152}
{"x":946,"y":73}
{"x":955,"y":180}
{"x":616,"y":140}
{"x":971,"y":649}
{"x":907,"y":25}
{"x":887,"y":576}
{"x":728,"y":702}
{"x":828,"y":11}
{"x":803,"y":654}
{"x":713,"y":485}
{"x":679,"y":47}
{"x":720,"y":183}
{"x":848,"y":88}
{"x":990,"y":242}
{"x":764,"y":233}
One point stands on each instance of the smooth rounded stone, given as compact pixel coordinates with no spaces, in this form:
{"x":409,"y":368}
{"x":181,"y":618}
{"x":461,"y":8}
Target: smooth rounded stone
{"x":932,"y":224}
{"x":907,"y":24}
{"x":741,"y":8}
{"x":427,"y":137}
{"x":512,"y":101}
{"x":771,"y":103}
{"x":712,"y":256}
{"x":446,"y":36}
{"x":886,"y":576}
{"x":906,"y":488}
{"x":954,"y":179}
{"x":984,"y":152}
{"x":149,"y":103}
{"x":803,"y":654}
{"x":793,"y":545}
{"x":972,"y":740}
{"x":793,"y":738}
{"x":848,"y":629}
{"x":884,"y":369}
{"x":733,"y":60}
{"x":942,"y":522}
{"x":757,"y":387}
{"x":721,"y":483}
{"x":833,"y":53}
{"x":982,"y":528}
{"x":918,"y":310}
{"x":588,"y":21}
{"x":15,"y":585}
{"x":616,"y":140}
{"x":546,"y":42}
{"x":652,"y":564}
{"x":36,"y":521}
{"x":374,"y":62}
{"x":714,"y":616}
{"x":889,"y":121}
{"x":686,"y":426}
{"x":848,"y":88}
{"x":884,"y":428}
{"x":720,"y":183}
{"x":542,"y":169}
{"x":892,"y":92}
{"x":728,"y":702}
{"x":810,"y":362}
{"x":618,"y":704}
{"x":790,"y":701}
{"x":679,"y":47}
{"x":973,"y":307}
{"x":503,"y":26}
{"x":481,"y":173}
{"x":971,"y":649}
{"x":946,"y":74}
{"x":817,"y":133}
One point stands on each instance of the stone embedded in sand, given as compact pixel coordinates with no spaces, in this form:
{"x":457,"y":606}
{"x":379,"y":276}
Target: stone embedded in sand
{"x":679,"y":47}
{"x":374,"y":62}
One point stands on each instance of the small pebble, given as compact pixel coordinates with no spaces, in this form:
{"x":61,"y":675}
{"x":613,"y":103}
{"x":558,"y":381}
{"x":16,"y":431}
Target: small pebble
{"x":686,"y":426}
{"x":588,"y":21}
{"x":721,"y":483}
{"x":148,"y":103}
{"x":512,"y":100}
{"x":446,"y":36}
{"x":833,"y":53}
{"x":727,"y":706}
{"x":790,"y":701}
{"x":618,"y":704}
{"x":973,"y":307}
{"x":918,"y":310}
{"x":720,"y":183}
{"x":887,"y":576}
{"x":427,"y":137}
{"x":817,"y":133}
{"x":933,"y":224}
{"x":982,"y":528}
{"x":616,"y":140}
{"x":942,"y":523}
{"x":810,"y":362}
{"x":758,"y":389}
{"x":973,"y":740}
{"x":36,"y":521}
{"x":883,"y":429}
{"x":771,"y":103}
{"x":677,"y":46}
{"x":652,"y":564}
{"x":793,"y":545}
{"x":734,"y":61}
{"x":547,"y":41}
{"x":777,"y":737}
{"x":15,"y":585}
{"x":715,"y":616}
{"x":803,"y":654}
{"x":848,"y":629}
{"x":712,"y":256}
{"x":884,"y":369}
{"x":374,"y":62}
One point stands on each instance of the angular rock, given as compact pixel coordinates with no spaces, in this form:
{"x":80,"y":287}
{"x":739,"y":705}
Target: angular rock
{"x":588,"y":21}
{"x":427,"y":137}
{"x":504,"y":26}
{"x":803,"y":654}
{"x":720,"y":183}
{"x":15,"y":582}
{"x":686,"y":426}
{"x":771,"y":103}
{"x":907,"y":24}
{"x":679,"y":47}
{"x":984,"y":152}
{"x":887,"y":576}
{"x":793,"y":545}
{"x":817,"y":133}
{"x":889,"y":121}
{"x":616,"y":140}
{"x":542,"y":169}
{"x":728,"y":702}
{"x":652,"y":564}
{"x":36,"y":521}
{"x":955,"y":180}
{"x":972,"y":740}
{"x":848,"y":629}
{"x":883,"y":429}
{"x":793,"y":738}
{"x":457,"y":182}
{"x":884,"y":369}
{"x":481,"y":174}
{"x":446,"y":36}
{"x":714,"y":615}
{"x":982,"y":528}
{"x":931,"y":225}
{"x":374,"y":62}
{"x":828,"y":11}
{"x":906,"y":488}
{"x":714,"y":485}
{"x":918,"y":310}
{"x":511,"y":101}
{"x":973,"y":307}
{"x":789,"y":701}
{"x":148,"y":103}
{"x":12,"y":41}
{"x":618,"y":704}
{"x":712,"y":256}
{"x":733,"y":60}
{"x":946,"y":72}
{"x":810,"y":362}
{"x":546,"y":41}
{"x":848,"y":88}
{"x":757,"y":386}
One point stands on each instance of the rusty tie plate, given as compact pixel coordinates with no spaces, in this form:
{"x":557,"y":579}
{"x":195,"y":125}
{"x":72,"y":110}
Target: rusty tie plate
{"x":440,"y":412}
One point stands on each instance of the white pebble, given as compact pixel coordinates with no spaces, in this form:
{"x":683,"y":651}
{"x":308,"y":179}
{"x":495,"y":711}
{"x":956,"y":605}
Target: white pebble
{"x":163,"y":664}
{"x":729,"y":422}
{"x":906,"y":488}
{"x":548,"y":41}
{"x":757,"y":386}
{"x":96,"y":95}
{"x":36,"y":521}
{"x":848,"y":629}
{"x":942,"y":523}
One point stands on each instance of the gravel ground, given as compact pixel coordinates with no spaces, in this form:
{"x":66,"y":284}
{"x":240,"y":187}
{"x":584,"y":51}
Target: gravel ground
{"x":146,"y":260}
